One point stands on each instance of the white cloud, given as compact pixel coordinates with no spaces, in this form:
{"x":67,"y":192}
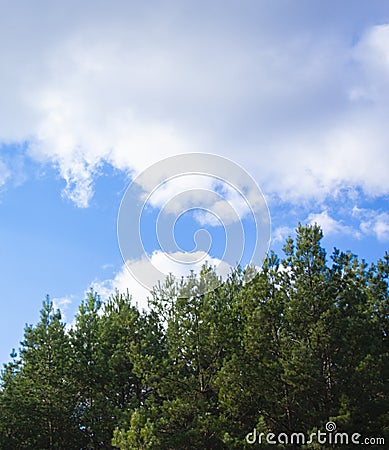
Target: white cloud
{"x":374,"y":223}
{"x":122,"y":281}
{"x":381,"y":227}
{"x":299,"y":106}
{"x":329,"y":225}
{"x":180,"y":264}
{"x":232,"y":207}
{"x":214,"y":201}
{"x":372,"y":52}
{"x":280,"y":234}
{"x":63,"y":304}
{"x":183,"y":192}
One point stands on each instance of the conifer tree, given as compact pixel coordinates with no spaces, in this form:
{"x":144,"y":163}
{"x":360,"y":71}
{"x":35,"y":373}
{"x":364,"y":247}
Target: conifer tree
{"x":38,"y":389}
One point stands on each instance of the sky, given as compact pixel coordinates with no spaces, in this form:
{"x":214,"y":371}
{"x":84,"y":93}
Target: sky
{"x":93,"y":94}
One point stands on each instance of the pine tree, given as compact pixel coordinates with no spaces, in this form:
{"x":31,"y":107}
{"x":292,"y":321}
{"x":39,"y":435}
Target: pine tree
{"x":302,"y":343}
{"x":38,"y":389}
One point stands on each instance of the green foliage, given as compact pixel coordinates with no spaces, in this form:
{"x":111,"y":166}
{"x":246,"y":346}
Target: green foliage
{"x":303,"y":343}
{"x":37,"y":401}
{"x":140,"y":435}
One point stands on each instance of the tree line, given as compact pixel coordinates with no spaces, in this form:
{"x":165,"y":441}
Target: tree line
{"x":304,"y":343}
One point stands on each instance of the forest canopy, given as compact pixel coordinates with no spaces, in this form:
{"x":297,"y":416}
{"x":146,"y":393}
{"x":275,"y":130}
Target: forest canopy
{"x":302,"y":344}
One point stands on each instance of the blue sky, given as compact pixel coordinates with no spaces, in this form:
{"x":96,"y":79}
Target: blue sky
{"x":297,"y":93}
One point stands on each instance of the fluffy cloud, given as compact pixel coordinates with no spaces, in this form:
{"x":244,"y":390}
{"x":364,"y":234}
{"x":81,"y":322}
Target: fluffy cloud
{"x":122,"y":281}
{"x":299,"y":106}
{"x":216,"y":202}
{"x":371,"y":223}
{"x":381,"y":227}
{"x":63,"y":304}
{"x":329,"y":225}
{"x":375,"y":223}
{"x":140,"y":276}
{"x":280,"y":234}
{"x":372,"y":52}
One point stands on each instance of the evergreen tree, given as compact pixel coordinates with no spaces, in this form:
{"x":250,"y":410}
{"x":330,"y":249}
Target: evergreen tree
{"x":302,"y":343}
{"x":37,"y":390}
{"x":90,"y":368}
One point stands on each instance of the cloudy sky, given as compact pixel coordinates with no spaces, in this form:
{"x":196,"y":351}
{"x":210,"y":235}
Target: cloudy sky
{"x":93,"y":93}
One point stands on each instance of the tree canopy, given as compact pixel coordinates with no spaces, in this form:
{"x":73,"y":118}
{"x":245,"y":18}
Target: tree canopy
{"x":302,"y":344}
